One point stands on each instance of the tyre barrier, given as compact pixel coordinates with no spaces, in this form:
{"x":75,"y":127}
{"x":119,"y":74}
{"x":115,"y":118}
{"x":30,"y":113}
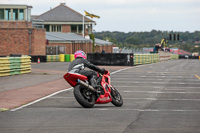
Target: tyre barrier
{"x":72,"y":57}
{"x":174,"y":56}
{"x":140,"y":59}
{"x":15,"y":65}
{"x":60,"y":58}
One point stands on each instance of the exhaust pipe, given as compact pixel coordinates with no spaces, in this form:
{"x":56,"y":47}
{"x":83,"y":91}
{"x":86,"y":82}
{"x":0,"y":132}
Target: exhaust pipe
{"x":86,"y":85}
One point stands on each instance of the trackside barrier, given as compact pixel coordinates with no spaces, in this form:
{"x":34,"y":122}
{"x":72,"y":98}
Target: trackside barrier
{"x":111,"y":59}
{"x":15,"y":65}
{"x":52,"y":58}
{"x":60,"y":58}
{"x":140,"y":59}
{"x":174,"y":56}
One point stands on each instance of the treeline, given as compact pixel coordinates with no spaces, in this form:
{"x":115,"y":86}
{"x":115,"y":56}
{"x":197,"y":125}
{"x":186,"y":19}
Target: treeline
{"x":188,"y":40}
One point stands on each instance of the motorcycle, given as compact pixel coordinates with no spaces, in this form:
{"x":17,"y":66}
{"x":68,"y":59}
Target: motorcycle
{"x":87,"y":96}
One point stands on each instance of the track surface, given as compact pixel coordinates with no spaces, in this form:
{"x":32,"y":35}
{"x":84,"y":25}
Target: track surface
{"x":158,"y":98}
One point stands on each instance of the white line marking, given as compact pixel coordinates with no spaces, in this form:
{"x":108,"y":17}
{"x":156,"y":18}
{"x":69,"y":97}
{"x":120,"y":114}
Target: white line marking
{"x":121,"y":70}
{"x":68,"y":89}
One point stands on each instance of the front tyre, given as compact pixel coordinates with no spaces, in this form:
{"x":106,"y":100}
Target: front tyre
{"x":116,"y":97}
{"x":84,"y":97}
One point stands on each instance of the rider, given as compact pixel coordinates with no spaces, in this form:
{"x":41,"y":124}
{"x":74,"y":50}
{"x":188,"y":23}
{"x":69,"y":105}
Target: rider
{"x":80,"y":63}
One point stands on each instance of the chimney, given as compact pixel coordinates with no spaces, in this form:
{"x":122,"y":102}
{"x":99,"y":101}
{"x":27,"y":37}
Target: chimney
{"x":63,"y":2}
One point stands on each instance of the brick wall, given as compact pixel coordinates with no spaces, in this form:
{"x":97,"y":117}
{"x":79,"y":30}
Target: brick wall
{"x":15,"y":24}
{"x":17,"y":41}
{"x":66,"y":28}
{"x":38,"y":44}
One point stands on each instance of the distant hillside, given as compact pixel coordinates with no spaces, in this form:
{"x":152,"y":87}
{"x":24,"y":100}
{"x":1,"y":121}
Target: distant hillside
{"x":149,"y":39}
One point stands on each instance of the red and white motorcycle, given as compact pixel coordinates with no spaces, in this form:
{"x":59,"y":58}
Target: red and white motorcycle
{"x":87,"y":96}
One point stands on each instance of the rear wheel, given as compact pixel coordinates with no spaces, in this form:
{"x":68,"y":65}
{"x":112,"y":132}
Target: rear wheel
{"x":116,"y":98}
{"x":84,"y":97}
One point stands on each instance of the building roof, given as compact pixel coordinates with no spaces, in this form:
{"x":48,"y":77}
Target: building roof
{"x":62,"y":13}
{"x":14,"y":6}
{"x":65,"y":37}
{"x":102,"y":42}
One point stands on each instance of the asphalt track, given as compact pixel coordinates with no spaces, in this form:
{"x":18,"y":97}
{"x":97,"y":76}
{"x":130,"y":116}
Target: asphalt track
{"x":158,"y":98}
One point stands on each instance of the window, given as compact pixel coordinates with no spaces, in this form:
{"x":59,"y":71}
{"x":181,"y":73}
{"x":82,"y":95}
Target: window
{"x":8,"y":14}
{"x":1,"y":14}
{"x":58,"y":28}
{"x":47,"y":28}
{"x":76,"y":28}
{"x":80,"y":28}
{"x":21,"y":14}
{"x":53,"y":28}
{"x":15,"y":14}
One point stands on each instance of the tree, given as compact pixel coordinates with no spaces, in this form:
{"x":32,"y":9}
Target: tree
{"x":132,"y":40}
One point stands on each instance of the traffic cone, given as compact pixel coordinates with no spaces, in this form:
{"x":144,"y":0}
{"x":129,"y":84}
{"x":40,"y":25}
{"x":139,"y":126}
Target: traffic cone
{"x":38,"y":60}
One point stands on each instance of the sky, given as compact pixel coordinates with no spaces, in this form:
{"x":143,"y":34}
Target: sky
{"x":129,"y":15}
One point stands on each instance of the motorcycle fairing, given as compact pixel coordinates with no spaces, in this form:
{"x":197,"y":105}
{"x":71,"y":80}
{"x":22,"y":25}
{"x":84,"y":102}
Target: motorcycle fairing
{"x":71,"y":78}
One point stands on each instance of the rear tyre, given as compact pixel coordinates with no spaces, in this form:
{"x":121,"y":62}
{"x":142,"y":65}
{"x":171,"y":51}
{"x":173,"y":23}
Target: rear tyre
{"x":84,"y":97}
{"x":116,"y":98}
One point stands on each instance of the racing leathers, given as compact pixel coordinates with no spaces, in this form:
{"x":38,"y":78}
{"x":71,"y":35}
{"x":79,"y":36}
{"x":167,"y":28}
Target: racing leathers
{"x":78,"y":66}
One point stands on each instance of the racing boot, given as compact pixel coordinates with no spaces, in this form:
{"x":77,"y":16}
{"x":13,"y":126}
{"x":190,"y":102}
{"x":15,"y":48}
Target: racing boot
{"x":93,"y":82}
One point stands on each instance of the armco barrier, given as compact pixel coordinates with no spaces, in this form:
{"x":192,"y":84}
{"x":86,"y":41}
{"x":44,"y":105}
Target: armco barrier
{"x":15,"y":65}
{"x":111,"y":59}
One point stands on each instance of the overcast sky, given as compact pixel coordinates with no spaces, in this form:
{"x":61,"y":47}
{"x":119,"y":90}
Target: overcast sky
{"x":130,"y":15}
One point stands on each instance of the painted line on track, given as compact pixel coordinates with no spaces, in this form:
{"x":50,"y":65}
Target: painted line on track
{"x":197,"y":76}
{"x":68,"y":89}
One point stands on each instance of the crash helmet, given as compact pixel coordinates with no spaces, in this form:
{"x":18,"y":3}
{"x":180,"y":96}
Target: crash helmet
{"x":79,"y":53}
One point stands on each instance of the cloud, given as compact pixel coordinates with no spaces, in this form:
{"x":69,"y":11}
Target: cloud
{"x":129,"y":15}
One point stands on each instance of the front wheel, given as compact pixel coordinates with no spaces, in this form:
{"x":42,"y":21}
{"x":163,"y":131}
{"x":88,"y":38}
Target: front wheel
{"x":84,"y":97}
{"x":116,"y":97}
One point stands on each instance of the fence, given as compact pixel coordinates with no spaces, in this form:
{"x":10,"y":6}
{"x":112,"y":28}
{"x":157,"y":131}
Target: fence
{"x":15,"y":65}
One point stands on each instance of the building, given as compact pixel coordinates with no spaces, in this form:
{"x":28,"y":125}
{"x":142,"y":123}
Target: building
{"x":17,"y":35}
{"x":64,"y":19}
{"x":26,"y":34}
{"x":67,"y":43}
{"x":101,"y":45}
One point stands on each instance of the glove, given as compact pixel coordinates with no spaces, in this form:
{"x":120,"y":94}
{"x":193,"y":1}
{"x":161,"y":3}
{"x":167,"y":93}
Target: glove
{"x":102,"y":71}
